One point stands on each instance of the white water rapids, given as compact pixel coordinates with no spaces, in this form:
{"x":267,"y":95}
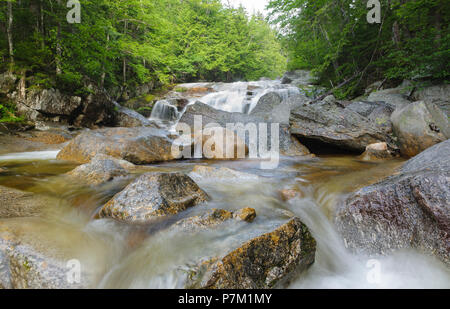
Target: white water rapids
{"x":238,"y":97}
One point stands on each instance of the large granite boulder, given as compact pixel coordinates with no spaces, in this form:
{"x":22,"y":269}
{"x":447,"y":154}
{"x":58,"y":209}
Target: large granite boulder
{"x":288,"y":145}
{"x":100,"y":170}
{"x":138,"y":145}
{"x":154,"y":195}
{"x":379,"y":113}
{"x":408,"y":210}
{"x":48,"y":103}
{"x":267,"y":261}
{"x":331,"y":123}
{"x":419,"y":126}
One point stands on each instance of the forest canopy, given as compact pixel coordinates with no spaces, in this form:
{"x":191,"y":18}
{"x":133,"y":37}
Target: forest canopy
{"x":336,"y":41}
{"x":124,"y":43}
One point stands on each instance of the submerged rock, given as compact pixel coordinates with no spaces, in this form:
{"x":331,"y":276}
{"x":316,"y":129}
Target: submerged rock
{"x":419,"y":126}
{"x":410,"y":209}
{"x":223,"y":173}
{"x":267,"y":261}
{"x":101,"y":169}
{"x":30,"y":260}
{"x":15,"y":203}
{"x":330,"y":123}
{"x":136,"y":145}
{"x":154,"y":195}
{"x":212,"y":219}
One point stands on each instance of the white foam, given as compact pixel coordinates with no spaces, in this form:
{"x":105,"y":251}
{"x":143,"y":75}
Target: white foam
{"x":30,"y":156}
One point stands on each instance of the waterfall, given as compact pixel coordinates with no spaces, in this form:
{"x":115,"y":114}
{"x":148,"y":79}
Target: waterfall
{"x":164,"y":111}
{"x":238,"y":97}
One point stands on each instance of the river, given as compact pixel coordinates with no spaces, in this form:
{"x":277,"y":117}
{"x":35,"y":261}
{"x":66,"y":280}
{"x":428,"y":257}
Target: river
{"x":122,"y":256}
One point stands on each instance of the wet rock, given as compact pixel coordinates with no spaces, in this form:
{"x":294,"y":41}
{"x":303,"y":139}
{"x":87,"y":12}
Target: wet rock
{"x":202,"y":222}
{"x":154,"y":195}
{"x":30,"y":260}
{"x":330,"y":123}
{"x":267,"y":261}
{"x":289,"y":194}
{"x":212,"y":219}
{"x":377,"y":151}
{"x":209,"y":116}
{"x":245,"y":214}
{"x":419,"y":126}
{"x":437,"y":94}
{"x":49,"y":137}
{"x":15,"y":203}
{"x":408,"y":210}
{"x":101,"y":169}
{"x":137,"y":145}
{"x":201,"y":172}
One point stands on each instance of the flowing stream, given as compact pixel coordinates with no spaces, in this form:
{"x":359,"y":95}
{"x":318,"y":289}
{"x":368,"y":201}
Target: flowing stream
{"x":122,"y":256}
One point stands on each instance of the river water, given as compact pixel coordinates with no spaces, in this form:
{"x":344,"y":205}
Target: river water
{"x":122,"y":256}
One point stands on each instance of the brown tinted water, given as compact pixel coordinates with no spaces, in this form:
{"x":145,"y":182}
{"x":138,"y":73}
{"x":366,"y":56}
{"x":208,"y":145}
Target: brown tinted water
{"x":123,"y":256}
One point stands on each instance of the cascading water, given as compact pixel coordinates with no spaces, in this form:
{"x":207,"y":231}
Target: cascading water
{"x":238,"y":97}
{"x":165,"y":111}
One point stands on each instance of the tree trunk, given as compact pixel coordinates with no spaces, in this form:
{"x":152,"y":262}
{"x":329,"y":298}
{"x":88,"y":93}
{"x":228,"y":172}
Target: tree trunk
{"x":58,"y":47}
{"x":9,"y":32}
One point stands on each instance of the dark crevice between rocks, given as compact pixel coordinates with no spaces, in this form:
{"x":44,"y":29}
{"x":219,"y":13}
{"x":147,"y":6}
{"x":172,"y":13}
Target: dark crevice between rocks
{"x":319,"y":147}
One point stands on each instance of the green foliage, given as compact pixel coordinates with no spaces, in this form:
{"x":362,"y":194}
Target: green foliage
{"x":7,"y":113}
{"x":335,"y":41}
{"x":122,"y":44}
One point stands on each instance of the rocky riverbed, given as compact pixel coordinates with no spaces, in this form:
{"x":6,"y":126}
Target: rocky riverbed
{"x":117,"y":208}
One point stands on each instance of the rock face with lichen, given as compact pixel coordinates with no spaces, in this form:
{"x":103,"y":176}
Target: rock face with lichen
{"x":220,"y":173}
{"x":101,"y":169}
{"x":154,"y":195}
{"x":137,"y":145}
{"x":408,"y":210}
{"x":267,"y":261}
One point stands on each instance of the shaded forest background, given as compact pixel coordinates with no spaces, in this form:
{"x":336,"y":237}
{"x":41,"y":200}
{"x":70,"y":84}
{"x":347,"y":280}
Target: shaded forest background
{"x":335,"y":40}
{"x":121,"y":44}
